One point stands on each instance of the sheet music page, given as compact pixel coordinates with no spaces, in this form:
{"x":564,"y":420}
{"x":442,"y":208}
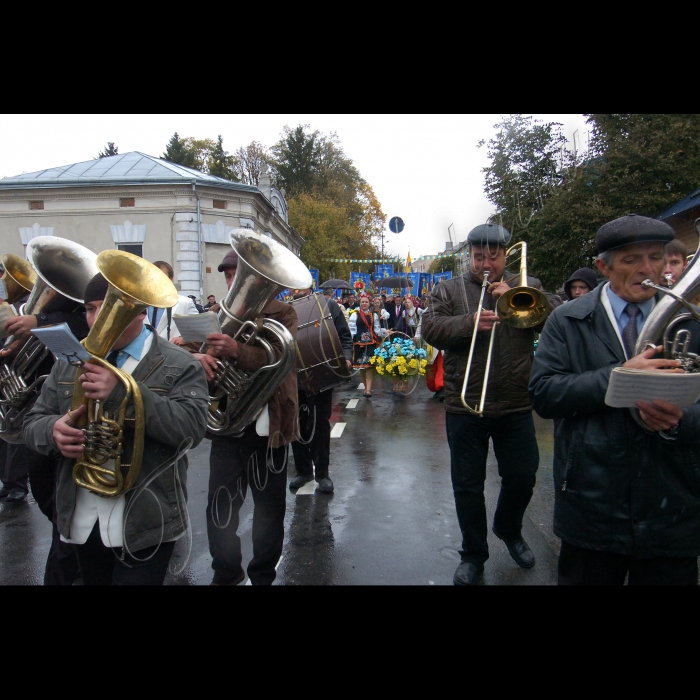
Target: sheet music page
{"x":3,"y":290}
{"x":196,"y":328}
{"x":627,"y":386}
{"x":62,"y":342}
{"x":6,"y":313}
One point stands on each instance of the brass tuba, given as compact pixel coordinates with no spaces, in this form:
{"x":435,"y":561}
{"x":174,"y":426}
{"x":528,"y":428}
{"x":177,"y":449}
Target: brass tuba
{"x":61,"y":270}
{"x":676,"y":307}
{"x":265,"y":268}
{"x":134,"y":285}
{"x":19,"y":277}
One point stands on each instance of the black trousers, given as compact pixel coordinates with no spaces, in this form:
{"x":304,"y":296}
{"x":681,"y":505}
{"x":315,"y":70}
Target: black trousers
{"x":62,"y":566}
{"x":103,"y":566}
{"x":515,"y":447}
{"x":13,"y":469}
{"x":586,"y":567}
{"x":235,"y":465}
{"x":314,"y":422}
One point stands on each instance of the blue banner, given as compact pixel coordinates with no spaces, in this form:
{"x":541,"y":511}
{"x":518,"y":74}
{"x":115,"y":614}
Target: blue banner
{"x":359,"y":276}
{"x":315,"y":283}
{"x":284,"y":295}
{"x":383,"y":271}
{"x":415,"y":278}
{"x":439,"y":276}
{"x":426,"y":283}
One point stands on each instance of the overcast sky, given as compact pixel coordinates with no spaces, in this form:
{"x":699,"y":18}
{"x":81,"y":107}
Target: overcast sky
{"x":424,"y":168}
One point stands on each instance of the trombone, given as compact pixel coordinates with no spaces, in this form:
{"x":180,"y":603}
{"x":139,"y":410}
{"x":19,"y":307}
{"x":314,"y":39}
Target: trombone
{"x":520,"y":307}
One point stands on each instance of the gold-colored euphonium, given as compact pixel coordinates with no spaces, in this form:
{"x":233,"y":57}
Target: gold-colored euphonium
{"x":265,"y":268}
{"x":19,"y":277}
{"x":520,"y":307}
{"x":134,"y":285}
{"x":61,"y":270}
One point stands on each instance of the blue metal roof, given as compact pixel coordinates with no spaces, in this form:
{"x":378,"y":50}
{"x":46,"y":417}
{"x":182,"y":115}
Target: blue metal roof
{"x":132,"y":168}
{"x":689,"y":202}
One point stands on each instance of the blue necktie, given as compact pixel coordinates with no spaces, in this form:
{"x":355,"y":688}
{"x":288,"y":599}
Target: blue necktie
{"x":629,"y":334}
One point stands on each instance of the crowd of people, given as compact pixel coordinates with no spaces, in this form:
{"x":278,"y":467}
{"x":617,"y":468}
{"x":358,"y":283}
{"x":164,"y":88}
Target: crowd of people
{"x":626,"y":502}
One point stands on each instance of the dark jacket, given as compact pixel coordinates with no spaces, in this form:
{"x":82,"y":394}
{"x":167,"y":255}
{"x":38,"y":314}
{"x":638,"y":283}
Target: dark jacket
{"x":618,"y":488}
{"x":448,"y":325}
{"x":341,"y":326}
{"x":585,"y":275}
{"x":176,"y":401}
{"x":283,"y":406}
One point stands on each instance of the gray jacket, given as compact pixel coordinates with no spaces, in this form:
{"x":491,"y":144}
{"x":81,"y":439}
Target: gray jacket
{"x":176,"y":401}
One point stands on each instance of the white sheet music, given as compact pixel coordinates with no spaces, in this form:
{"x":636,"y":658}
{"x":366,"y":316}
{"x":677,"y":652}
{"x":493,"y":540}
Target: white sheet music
{"x":196,"y":328}
{"x":62,"y":343}
{"x":627,"y":386}
{"x":3,"y":291}
{"x":6,"y":313}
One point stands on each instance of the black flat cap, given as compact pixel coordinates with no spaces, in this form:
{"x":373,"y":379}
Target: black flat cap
{"x":585,"y":275}
{"x":489,"y":234}
{"x":231,"y":260}
{"x":96,"y":289}
{"x":630,"y":229}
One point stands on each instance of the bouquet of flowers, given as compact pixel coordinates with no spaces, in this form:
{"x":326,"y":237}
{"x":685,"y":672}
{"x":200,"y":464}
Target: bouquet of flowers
{"x":399,"y":357}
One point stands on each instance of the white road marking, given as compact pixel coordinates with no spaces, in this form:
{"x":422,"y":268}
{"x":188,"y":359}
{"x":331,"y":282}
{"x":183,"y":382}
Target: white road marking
{"x":307,"y":489}
{"x":337,"y":430}
{"x":353,"y":403}
{"x":360,"y":386}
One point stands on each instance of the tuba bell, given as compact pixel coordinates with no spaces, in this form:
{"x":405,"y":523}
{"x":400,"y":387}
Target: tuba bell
{"x":19,"y":277}
{"x":676,"y":307}
{"x":134,"y":285}
{"x":61,"y":270}
{"x":265,"y":268}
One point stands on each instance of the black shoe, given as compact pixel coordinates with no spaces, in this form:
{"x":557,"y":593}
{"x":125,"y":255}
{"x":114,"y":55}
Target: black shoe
{"x":519,"y":550}
{"x":299,"y":480}
{"x":467,"y":574}
{"x":325,"y":485}
{"x":16,"y":495}
{"x":4,"y":492}
{"x":221,"y":580}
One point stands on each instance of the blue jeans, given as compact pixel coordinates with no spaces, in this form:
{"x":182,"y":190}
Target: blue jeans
{"x":515,"y":447}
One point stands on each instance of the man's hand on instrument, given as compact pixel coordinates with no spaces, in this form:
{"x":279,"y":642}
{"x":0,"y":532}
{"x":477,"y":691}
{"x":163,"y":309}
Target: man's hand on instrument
{"x":497,"y":289}
{"x":98,"y":381}
{"x":660,"y":415}
{"x":209,"y":364}
{"x":487,"y":320}
{"x":12,"y":350}
{"x":69,"y":440}
{"x":177,"y":340}
{"x":21,"y":326}
{"x":349,"y":363}
{"x":646,"y":360}
{"x":221,"y":345}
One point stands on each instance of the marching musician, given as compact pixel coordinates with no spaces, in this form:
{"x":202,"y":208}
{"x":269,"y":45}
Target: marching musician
{"x":626,"y":497}
{"x":312,"y":452}
{"x":126,"y":540}
{"x":256,"y":459}
{"x":448,"y":324}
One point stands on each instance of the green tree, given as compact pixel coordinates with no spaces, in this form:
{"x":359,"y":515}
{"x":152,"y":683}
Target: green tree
{"x":446,"y":264}
{"x":110,"y":150}
{"x":640,"y":163}
{"x":220,"y":163}
{"x":179,"y":151}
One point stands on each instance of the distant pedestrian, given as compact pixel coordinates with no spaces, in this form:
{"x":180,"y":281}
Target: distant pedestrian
{"x":580,"y":283}
{"x":197,"y":305}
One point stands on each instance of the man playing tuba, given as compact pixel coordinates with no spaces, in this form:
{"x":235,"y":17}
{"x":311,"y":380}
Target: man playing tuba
{"x":626,"y":497}
{"x":257,"y":458}
{"x":128,"y":539}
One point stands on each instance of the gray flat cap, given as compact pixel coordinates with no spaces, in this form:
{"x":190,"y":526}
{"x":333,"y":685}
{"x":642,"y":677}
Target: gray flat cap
{"x":630,"y":229}
{"x":489,"y":234}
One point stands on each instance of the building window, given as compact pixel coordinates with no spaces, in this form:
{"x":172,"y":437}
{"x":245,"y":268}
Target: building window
{"x":36,"y":205}
{"x":133,"y":248}
{"x":127,"y":202}
{"x":219,"y":204}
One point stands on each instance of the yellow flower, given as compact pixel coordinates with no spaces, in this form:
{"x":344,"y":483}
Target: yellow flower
{"x":372,"y":360}
{"x":402,"y":370}
{"x":380,"y":370}
{"x":423,"y":363}
{"x":413,"y":364}
{"x":380,"y":360}
{"x":422,"y":371}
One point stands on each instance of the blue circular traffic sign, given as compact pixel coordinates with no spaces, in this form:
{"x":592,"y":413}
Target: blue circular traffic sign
{"x":396,"y":224}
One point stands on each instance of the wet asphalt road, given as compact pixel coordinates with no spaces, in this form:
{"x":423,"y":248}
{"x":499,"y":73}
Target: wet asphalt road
{"x":391,"y":520}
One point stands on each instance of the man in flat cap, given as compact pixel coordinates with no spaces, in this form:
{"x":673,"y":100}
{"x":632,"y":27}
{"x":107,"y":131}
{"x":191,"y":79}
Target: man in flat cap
{"x":449,"y":325}
{"x":257,"y":459}
{"x":627,"y":497}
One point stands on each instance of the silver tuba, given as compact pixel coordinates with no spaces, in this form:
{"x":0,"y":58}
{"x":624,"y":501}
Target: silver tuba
{"x":265,"y":268}
{"x":673,"y":309}
{"x":63,"y":270}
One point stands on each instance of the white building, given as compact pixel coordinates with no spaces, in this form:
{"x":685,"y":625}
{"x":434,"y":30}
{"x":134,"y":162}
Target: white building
{"x":146,"y":206}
